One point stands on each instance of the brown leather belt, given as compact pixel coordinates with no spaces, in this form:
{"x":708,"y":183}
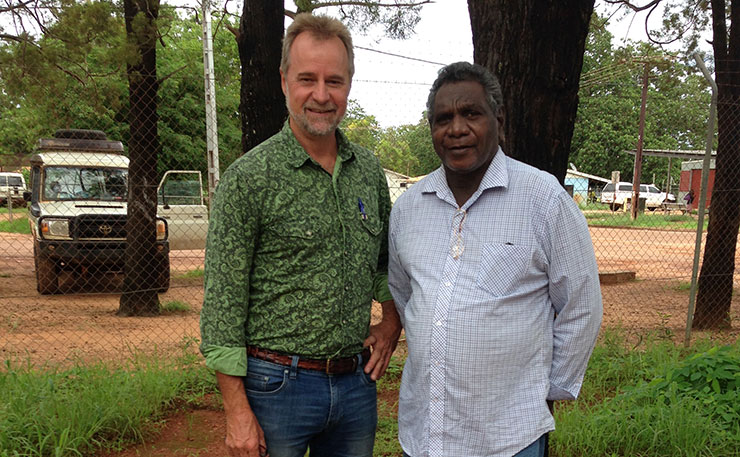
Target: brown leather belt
{"x":342,"y":365}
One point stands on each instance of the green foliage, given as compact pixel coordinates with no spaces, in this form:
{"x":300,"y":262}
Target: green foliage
{"x":78,"y":410}
{"x":360,"y":127}
{"x":655,"y":399}
{"x":74,"y":76}
{"x":609,"y":109}
{"x":19,"y":224}
{"x":174,"y":307}
{"x":712,"y":377}
{"x":408,"y":149}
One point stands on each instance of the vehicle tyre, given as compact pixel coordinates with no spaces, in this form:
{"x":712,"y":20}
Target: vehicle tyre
{"x":163,"y":276}
{"x":47,"y":279}
{"x":614,"y":206}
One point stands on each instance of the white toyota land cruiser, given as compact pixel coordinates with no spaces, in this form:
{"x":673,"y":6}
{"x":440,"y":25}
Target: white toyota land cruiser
{"x":79,"y":196}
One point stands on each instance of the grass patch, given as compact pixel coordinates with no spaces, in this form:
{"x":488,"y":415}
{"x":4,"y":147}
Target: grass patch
{"x":16,"y":210}
{"x":19,"y":225}
{"x":386,"y":435}
{"x":656,"y":219}
{"x":174,"y":307}
{"x":594,"y":206}
{"x":77,"y":411}
{"x":654,"y":400}
{"x":196,"y":273}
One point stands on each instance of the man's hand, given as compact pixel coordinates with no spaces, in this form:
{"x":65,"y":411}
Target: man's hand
{"x":383,"y":340}
{"x":244,"y":436}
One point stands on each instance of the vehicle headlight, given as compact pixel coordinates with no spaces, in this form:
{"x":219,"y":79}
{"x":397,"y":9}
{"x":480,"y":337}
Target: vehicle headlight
{"x":55,"y":229}
{"x":161,"y":229}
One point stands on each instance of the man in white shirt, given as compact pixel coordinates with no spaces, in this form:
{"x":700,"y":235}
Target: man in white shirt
{"x":495,"y":279}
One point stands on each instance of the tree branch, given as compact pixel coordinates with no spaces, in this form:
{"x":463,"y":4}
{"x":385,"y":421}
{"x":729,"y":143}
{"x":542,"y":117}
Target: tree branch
{"x":315,"y":6}
{"x":382,"y":5}
{"x":16,"y":38}
{"x":21,"y":5}
{"x":632,"y":6}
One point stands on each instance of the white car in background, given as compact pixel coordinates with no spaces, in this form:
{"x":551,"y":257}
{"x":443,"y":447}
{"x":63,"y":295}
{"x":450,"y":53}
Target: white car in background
{"x":622,"y":196}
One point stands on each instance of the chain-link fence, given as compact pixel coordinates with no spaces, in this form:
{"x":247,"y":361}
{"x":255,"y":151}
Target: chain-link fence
{"x":114,"y":223}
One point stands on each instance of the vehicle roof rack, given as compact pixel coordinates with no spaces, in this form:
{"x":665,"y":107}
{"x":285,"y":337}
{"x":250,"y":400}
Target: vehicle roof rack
{"x":65,"y":144}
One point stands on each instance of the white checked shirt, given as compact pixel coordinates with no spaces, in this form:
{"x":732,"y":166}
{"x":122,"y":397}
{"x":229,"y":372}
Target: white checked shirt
{"x":477,"y":289}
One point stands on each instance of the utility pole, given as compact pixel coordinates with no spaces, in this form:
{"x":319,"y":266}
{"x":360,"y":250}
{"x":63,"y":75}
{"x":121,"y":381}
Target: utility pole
{"x":210,"y":94}
{"x":638,"y":154}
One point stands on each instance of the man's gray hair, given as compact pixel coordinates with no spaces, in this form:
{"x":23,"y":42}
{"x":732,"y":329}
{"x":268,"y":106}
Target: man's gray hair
{"x":322,"y":28}
{"x":465,"y":71}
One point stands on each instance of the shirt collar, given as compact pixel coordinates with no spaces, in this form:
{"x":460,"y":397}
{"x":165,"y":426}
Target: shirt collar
{"x":497,"y":175}
{"x":298,"y":156}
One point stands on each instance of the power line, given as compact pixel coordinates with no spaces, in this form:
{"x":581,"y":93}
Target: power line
{"x":398,"y":55}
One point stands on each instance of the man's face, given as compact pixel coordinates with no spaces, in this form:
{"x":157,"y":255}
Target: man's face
{"x":465,"y":131}
{"x":316,"y":84}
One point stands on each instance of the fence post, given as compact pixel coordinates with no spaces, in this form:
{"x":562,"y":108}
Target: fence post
{"x":210,"y":93}
{"x":702,"y":197}
{"x":10,"y":206}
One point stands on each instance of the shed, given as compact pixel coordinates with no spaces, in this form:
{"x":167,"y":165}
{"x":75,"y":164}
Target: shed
{"x":581,"y":183}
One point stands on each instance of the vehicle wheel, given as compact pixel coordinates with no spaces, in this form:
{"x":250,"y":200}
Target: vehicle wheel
{"x":163,"y":276}
{"x":614,"y":206}
{"x":47,"y":279}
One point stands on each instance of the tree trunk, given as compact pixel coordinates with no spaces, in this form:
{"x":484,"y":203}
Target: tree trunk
{"x":139,"y":298}
{"x":536,"y":49}
{"x":262,"y":106}
{"x":714,"y":296}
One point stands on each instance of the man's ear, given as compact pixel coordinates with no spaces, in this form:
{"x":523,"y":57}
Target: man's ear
{"x":500,"y":121}
{"x":282,"y":82}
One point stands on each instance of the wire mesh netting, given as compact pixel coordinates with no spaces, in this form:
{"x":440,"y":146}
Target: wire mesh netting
{"x":109,"y":218}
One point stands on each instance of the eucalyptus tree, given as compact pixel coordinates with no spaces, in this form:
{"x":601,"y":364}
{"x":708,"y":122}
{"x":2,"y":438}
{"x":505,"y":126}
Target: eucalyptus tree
{"x":536,"y":49}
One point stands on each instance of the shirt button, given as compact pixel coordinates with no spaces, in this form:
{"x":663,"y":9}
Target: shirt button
{"x":438,"y":323}
{"x":309,"y":233}
{"x":346,"y":287}
{"x":448,"y":284}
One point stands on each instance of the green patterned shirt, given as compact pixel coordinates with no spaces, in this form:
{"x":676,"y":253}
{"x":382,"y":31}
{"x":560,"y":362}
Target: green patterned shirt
{"x":294,"y":255}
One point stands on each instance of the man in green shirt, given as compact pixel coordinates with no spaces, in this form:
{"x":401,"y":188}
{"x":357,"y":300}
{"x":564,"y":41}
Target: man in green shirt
{"x":296,"y":252}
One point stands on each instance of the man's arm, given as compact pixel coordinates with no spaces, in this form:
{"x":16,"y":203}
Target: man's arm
{"x":383,"y":336}
{"x":575,"y":295}
{"x":224,"y":314}
{"x":244,"y":436}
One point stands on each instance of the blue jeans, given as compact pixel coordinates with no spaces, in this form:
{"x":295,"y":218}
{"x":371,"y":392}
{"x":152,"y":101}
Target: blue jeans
{"x":536,"y":449}
{"x":331,"y":415}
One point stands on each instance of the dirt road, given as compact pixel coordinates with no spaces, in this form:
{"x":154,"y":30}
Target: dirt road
{"x":83,"y":324}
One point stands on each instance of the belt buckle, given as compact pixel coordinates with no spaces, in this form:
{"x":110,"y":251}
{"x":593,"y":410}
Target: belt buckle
{"x":328,"y":365}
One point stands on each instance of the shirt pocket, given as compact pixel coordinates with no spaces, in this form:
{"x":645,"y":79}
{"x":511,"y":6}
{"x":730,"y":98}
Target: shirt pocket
{"x":373,"y":226}
{"x":295,"y":241}
{"x":502,"y":267}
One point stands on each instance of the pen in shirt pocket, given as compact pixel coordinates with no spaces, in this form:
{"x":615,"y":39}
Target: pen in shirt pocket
{"x":363,"y":215}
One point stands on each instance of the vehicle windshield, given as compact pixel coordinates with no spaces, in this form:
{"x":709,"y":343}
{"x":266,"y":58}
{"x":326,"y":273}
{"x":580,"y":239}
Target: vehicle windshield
{"x":11,"y":181}
{"x":78,"y":183}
